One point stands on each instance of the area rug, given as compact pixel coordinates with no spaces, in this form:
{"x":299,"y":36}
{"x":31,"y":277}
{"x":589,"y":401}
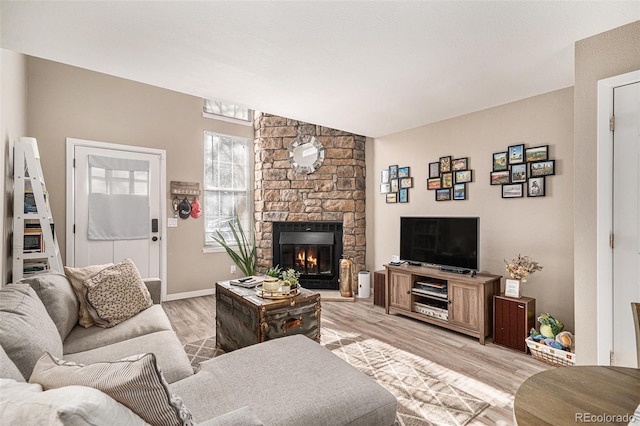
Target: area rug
{"x":423,"y":400}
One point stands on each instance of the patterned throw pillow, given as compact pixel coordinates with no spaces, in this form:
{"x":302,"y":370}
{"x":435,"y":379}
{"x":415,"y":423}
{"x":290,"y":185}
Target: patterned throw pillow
{"x":76,"y":277}
{"x":115,"y":294}
{"x":135,"y":382}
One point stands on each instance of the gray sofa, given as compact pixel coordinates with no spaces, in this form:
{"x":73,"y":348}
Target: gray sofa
{"x":287,"y":381}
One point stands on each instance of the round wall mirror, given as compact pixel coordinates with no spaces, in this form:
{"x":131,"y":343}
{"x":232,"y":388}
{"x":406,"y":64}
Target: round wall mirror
{"x":306,"y":154}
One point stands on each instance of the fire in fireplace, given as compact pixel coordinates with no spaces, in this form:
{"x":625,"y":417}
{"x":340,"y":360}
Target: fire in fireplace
{"x":313,"y":249}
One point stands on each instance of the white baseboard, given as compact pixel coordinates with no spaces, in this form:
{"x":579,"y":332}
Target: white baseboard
{"x":189,"y":294}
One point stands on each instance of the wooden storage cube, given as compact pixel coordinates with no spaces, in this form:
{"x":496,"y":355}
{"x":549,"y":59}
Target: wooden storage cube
{"x":513,"y":320}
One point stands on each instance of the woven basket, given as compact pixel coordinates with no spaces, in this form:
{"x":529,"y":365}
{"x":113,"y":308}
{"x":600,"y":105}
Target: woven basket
{"x":549,"y":355}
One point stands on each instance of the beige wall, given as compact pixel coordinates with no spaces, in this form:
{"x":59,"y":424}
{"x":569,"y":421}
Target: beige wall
{"x":605,"y":55}
{"x":65,"y":101}
{"x":13,"y":125}
{"x":541,"y":227}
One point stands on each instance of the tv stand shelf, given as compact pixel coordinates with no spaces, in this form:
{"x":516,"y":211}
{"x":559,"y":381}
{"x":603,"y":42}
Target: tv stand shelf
{"x":459,"y":302}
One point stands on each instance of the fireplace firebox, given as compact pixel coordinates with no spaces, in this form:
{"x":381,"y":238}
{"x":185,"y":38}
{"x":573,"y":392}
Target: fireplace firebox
{"x":311,"y":248}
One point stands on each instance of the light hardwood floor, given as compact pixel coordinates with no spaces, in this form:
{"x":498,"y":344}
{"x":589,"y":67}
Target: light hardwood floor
{"x":490,"y":372}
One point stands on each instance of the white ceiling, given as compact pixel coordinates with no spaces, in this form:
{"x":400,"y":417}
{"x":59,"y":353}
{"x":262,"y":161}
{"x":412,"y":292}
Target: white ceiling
{"x":368,"y":67}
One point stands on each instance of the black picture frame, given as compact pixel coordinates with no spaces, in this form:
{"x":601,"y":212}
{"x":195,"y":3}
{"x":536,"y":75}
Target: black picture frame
{"x":542,"y":168}
{"x":434,"y":183}
{"x":463,"y":176}
{"x":405,"y":182}
{"x":512,"y":190}
{"x":447,"y":180}
{"x":403,"y":195}
{"x":518,"y":173}
{"x":434,"y":169}
{"x":393,"y":171}
{"x":460,"y":164}
{"x":516,"y":154}
{"x":392,"y":197}
{"x":500,"y":177}
{"x":394,"y":185}
{"x":537,"y":153}
{"x":443,"y":194}
{"x":403,"y":172}
{"x":460,"y":191}
{"x":536,"y":186}
{"x":385,"y":188}
{"x":445,"y":164}
{"x":500,"y":161}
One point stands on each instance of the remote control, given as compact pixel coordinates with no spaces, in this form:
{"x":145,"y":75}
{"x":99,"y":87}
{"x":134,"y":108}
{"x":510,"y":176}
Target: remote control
{"x":242,"y":280}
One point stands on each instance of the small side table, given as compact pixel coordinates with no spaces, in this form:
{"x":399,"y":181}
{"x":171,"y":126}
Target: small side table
{"x":513,"y":318}
{"x":379,"y":278}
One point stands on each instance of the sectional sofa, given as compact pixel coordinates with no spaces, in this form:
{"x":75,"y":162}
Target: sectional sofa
{"x":287,"y":381}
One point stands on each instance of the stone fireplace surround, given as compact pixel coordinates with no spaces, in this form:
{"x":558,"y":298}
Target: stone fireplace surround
{"x":334,"y":192}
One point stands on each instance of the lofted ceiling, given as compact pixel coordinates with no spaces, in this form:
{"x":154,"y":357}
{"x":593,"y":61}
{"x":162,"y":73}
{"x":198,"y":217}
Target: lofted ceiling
{"x":367,"y":67}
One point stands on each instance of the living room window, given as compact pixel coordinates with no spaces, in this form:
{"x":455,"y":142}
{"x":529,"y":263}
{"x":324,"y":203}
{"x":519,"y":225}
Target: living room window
{"x":230,"y":112}
{"x":226,"y":185}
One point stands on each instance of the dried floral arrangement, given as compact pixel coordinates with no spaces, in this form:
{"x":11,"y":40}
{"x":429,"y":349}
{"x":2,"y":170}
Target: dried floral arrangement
{"x":522,"y":266}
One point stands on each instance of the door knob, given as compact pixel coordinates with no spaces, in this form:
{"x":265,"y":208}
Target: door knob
{"x":154,"y":238}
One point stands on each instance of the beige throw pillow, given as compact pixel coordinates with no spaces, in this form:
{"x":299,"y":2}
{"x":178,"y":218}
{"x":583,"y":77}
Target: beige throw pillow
{"x":76,"y":277}
{"x":115,"y":294}
{"x":135,"y":382}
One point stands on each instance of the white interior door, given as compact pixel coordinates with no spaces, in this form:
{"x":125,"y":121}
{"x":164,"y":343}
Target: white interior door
{"x":88,"y":180}
{"x":626,"y":221}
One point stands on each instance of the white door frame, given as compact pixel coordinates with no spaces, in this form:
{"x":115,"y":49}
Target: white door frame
{"x":72,"y":143}
{"x":604,"y":254}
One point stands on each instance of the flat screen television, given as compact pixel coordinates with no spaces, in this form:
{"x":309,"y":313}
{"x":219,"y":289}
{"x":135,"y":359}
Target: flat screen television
{"x":451,"y":243}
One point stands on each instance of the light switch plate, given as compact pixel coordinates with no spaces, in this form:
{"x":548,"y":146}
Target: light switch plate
{"x":172,"y":222}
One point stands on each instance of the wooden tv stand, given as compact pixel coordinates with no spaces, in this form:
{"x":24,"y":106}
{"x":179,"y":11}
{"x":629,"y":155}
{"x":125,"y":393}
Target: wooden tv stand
{"x":459,"y":302}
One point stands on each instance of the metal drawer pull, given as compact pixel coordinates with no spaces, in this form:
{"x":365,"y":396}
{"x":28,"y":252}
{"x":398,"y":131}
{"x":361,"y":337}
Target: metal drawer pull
{"x":290,"y":323}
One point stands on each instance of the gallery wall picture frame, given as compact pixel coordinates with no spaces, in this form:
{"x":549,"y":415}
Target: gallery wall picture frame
{"x":394,"y":185}
{"x":464,"y":176}
{"x":519,"y":173}
{"x":445,"y":164}
{"x":406,"y":182}
{"x":516,"y":154}
{"x":392,"y":197}
{"x":384,"y":176}
{"x":434,"y":183}
{"x":460,"y":191}
{"x":535,"y":187}
{"x":500,"y":177}
{"x":403,"y":172}
{"x":393,"y":172}
{"x":537,"y":153}
{"x":403,"y":195}
{"x":460,"y":164}
{"x":500,"y":161}
{"x":443,"y":194}
{"x":385,"y":188}
{"x":447,"y":180}
{"x":434,"y":170}
{"x":512,"y":190}
{"x":542,"y":168}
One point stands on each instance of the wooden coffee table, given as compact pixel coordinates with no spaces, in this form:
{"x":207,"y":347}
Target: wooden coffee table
{"x":243,"y":318}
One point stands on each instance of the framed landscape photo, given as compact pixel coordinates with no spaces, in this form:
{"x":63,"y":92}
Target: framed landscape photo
{"x":447,"y":180}
{"x":406,"y":182}
{"x":393,"y":172}
{"x":542,"y":168}
{"x":512,"y":190}
{"x":535,"y":187}
{"x":460,"y":191}
{"x":516,"y":154}
{"x":403,"y":195}
{"x":434,"y":170}
{"x":394,"y":185}
{"x":460,"y":164}
{"x":403,"y":172}
{"x":500,"y":178}
{"x":434,"y":183}
{"x":537,"y":153}
{"x":518,"y":173}
{"x":385,"y":188}
{"x":499,"y":161}
{"x":392,"y":197}
{"x":445,"y":164}
{"x":384,"y":176}
{"x":464,"y":176}
{"x":443,"y":194}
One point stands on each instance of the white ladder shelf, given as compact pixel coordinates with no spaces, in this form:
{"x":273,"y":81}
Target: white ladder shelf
{"x":41,"y":251}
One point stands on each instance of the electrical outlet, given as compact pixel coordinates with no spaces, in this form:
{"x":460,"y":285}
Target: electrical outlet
{"x":233,"y":269}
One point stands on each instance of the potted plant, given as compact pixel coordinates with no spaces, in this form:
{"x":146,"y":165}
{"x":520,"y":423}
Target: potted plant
{"x":290,"y":279}
{"x":274,"y":271}
{"x":245,"y":254}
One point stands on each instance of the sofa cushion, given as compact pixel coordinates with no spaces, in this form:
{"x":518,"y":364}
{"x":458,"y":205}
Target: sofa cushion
{"x":240,"y":417}
{"x":26,"y":329}
{"x":56,"y":293}
{"x":8,"y":369}
{"x":324,"y":390}
{"x":135,"y":382}
{"x":116,"y":293}
{"x":27,"y":404}
{"x":171,"y":357}
{"x":148,"y":321}
{"x":76,"y":277}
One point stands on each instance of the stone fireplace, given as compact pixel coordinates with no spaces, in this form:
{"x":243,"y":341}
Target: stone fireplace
{"x":334,"y":193}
